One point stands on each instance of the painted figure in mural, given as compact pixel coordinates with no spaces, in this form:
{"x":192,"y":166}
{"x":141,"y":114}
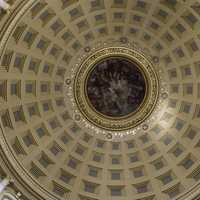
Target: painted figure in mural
{"x":116,"y":87}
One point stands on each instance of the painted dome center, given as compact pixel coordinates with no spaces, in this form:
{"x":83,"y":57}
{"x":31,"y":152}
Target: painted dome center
{"x":115,"y":87}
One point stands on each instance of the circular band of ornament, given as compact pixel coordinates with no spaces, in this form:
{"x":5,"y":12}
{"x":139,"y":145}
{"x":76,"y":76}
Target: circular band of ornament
{"x":111,"y":79}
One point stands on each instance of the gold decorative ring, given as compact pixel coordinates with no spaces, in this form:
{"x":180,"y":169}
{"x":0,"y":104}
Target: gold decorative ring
{"x":124,"y":122}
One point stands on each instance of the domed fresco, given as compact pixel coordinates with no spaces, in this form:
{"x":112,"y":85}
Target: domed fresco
{"x":100,"y":99}
{"x":116,"y":87}
{"x":113,"y":90}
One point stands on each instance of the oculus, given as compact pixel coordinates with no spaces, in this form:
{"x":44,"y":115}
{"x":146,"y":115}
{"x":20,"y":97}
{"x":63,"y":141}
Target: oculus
{"x":116,"y":88}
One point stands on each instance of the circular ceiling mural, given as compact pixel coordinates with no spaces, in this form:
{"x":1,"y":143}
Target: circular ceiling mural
{"x":115,"y":87}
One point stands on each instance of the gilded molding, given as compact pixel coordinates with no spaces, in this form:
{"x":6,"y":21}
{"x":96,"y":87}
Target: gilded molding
{"x":135,"y":118}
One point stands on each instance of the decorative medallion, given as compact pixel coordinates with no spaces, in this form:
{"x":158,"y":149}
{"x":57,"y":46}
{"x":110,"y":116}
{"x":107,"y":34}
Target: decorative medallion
{"x":116,"y":88}
{"x":68,"y":81}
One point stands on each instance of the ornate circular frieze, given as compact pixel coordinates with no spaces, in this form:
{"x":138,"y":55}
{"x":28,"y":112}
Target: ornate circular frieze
{"x":116,"y":88}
